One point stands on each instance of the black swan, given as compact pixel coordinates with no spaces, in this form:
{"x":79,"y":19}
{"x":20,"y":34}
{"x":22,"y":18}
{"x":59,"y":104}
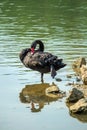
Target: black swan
{"x":39,"y":60}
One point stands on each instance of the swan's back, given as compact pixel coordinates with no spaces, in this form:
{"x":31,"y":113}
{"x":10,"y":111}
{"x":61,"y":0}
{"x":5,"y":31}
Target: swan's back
{"x":41,"y":61}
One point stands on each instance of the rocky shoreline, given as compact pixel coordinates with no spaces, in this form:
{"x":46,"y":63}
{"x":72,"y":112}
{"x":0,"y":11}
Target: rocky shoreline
{"x":44,"y":93}
{"x":77,"y":98}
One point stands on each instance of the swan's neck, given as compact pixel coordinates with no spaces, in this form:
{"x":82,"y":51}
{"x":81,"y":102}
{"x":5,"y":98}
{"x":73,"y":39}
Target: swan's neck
{"x":40,"y":43}
{"x":41,"y":47}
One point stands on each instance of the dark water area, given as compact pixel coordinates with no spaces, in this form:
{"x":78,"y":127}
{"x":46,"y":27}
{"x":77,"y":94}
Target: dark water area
{"x":62,"y":26}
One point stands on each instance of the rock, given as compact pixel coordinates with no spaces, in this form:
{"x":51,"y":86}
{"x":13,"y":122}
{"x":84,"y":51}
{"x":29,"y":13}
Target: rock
{"x":69,"y":76}
{"x":79,"y":66}
{"x":52,"y":89}
{"x":74,"y":96}
{"x":70,"y":84}
{"x":58,"y":79}
{"x":78,"y":63}
{"x":82,"y":88}
{"x":83,"y":71}
{"x":78,"y":79}
{"x":80,"y":106}
{"x":77,"y":99}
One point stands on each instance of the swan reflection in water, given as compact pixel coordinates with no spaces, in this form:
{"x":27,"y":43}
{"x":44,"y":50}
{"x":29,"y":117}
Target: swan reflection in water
{"x":38,"y":95}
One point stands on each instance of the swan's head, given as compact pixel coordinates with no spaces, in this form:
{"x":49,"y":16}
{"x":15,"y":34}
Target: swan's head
{"x":32,"y":50}
{"x":35,"y":43}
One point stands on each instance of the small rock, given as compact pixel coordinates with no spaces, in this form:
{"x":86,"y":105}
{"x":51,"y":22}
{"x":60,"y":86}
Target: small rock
{"x":69,"y":76}
{"x":78,"y":79}
{"x":52,"y":89}
{"x":69,"y":84}
{"x":58,"y":79}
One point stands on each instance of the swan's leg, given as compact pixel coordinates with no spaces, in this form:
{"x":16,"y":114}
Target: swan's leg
{"x":42,"y":77}
{"x":53,"y":71}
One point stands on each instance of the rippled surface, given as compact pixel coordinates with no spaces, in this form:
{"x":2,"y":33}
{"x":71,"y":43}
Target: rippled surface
{"x":62,"y":26}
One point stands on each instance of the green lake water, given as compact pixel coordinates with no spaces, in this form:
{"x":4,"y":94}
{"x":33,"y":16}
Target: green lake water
{"x":62,"y":26}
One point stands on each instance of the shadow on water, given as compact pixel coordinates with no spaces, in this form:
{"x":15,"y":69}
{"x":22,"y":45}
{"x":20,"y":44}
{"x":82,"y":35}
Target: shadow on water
{"x":80,"y":117}
{"x":37,"y":96}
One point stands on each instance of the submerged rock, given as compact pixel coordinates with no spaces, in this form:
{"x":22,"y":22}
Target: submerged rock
{"x":80,"y":106}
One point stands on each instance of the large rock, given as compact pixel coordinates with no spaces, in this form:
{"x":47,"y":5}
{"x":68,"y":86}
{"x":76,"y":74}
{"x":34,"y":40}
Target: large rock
{"x":74,"y":95}
{"x":82,"y":88}
{"x":78,"y":64}
{"x":83,"y":71}
{"x":77,"y":99}
{"x":80,"y":106}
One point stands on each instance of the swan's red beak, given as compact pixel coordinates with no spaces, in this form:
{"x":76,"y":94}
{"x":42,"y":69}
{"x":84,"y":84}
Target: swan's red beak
{"x":32,"y":50}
